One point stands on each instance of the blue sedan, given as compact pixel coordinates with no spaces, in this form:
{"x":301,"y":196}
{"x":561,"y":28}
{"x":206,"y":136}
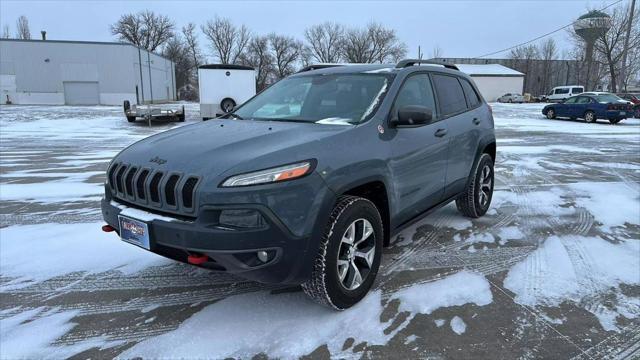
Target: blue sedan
{"x":591,"y":107}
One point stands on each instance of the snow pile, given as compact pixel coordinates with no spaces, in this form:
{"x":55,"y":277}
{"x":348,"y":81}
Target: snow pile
{"x":289,"y":325}
{"x":458,"y":289}
{"x":457,"y":325}
{"x":283,"y":326}
{"x":58,"y":249}
{"x":578,"y":269}
{"x":28,"y":335}
{"x":613,"y":204}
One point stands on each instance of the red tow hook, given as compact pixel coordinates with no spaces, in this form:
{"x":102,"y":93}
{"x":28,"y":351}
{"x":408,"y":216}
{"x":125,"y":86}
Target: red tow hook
{"x":197,"y":259}
{"x":108,"y":228}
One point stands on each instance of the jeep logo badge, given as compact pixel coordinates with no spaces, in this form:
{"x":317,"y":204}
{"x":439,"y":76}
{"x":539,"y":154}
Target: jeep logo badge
{"x":157,"y":160}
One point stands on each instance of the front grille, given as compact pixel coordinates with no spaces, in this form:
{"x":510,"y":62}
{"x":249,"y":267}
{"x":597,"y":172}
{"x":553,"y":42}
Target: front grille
{"x":187,"y":192}
{"x":128,"y":184}
{"x":154,"y":187}
{"x":168,"y":192}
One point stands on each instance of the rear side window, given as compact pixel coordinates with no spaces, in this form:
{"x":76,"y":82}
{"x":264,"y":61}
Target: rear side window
{"x":416,"y":90}
{"x":583,"y":100}
{"x":473,"y":99}
{"x":576,"y":90}
{"x":450,"y":94}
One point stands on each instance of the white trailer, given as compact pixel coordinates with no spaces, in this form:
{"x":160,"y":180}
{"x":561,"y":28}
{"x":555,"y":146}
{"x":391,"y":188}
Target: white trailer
{"x":222,"y":87}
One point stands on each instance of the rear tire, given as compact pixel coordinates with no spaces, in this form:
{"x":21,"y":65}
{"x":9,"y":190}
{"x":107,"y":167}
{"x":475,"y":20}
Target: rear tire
{"x":131,"y":119}
{"x":590,"y":116}
{"x":334,"y":282}
{"x":476,"y":199}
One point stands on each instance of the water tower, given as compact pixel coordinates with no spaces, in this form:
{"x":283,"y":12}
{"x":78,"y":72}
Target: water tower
{"x":590,"y":27}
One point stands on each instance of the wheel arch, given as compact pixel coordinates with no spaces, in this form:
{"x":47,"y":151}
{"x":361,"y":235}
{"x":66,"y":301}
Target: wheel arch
{"x":374,"y":190}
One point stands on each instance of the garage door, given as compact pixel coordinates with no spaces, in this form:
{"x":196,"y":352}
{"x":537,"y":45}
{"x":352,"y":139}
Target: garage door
{"x":81,"y":93}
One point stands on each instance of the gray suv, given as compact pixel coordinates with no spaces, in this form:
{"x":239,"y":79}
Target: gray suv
{"x":308,"y":180}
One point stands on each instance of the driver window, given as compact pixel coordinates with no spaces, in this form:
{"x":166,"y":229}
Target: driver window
{"x":416,"y":90}
{"x":571,"y":100}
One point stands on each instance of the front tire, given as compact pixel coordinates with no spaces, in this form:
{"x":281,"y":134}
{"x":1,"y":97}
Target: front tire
{"x":476,"y":199}
{"x":349,"y":255}
{"x":551,"y":114}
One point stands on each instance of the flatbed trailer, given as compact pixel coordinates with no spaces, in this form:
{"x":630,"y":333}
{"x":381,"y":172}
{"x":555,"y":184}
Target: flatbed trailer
{"x":151,"y":113}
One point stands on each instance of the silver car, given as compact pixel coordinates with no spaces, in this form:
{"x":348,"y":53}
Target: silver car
{"x":511,"y":98}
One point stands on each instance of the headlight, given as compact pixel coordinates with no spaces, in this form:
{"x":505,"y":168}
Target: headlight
{"x":277,"y":174}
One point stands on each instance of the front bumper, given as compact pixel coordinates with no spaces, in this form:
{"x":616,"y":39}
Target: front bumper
{"x":291,"y":250}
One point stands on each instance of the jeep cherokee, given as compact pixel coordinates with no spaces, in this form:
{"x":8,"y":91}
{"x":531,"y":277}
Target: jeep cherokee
{"x":307,"y":181}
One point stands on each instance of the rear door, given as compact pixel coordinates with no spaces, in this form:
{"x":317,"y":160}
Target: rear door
{"x":581,"y":106}
{"x":462,"y":122}
{"x":419,"y":155}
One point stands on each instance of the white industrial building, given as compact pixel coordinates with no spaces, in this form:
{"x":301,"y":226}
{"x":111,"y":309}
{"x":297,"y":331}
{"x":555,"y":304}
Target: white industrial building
{"x":494,"y":80}
{"x":55,"y":72}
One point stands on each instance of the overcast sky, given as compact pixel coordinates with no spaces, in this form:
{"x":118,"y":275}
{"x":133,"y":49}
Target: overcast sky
{"x":459,"y":28}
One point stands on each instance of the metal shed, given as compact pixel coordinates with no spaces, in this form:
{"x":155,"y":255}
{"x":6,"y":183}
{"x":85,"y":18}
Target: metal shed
{"x":494,"y":80}
{"x":55,"y":72}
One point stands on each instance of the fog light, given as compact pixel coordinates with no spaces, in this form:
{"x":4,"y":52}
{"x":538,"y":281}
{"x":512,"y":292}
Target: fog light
{"x":244,"y":219}
{"x":263,"y":256}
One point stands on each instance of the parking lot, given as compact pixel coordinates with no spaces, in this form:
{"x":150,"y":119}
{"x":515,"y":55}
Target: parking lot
{"x":552,"y":271}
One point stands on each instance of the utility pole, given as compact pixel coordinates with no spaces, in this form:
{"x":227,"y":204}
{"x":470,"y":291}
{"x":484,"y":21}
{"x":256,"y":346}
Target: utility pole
{"x":419,"y":53}
{"x":623,"y":71}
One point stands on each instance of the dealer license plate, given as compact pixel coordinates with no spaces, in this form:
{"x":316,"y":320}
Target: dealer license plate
{"x":134,"y":231}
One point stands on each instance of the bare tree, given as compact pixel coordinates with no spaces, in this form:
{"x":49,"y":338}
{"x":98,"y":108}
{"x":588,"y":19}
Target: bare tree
{"x":386,"y":45}
{"x":258,"y":57}
{"x":6,"y":32}
{"x":548,"y":51}
{"x":436,"y":52}
{"x":325,"y":42}
{"x":228,"y":41}
{"x":356,"y":46}
{"x":375,"y":43}
{"x":175,"y":49}
{"x":22,"y":26}
{"x":610,"y":46}
{"x":286,"y":52}
{"x":523,"y":57}
{"x":191,"y":43}
{"x":145,"y":29}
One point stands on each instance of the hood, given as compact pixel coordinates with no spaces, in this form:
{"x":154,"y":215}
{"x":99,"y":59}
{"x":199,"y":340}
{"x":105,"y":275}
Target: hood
{"x":211,"y":148}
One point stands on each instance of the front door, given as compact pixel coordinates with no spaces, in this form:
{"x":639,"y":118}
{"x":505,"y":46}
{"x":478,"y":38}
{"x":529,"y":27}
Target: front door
{"x":419,"y":155}
{"x":568,"y":108}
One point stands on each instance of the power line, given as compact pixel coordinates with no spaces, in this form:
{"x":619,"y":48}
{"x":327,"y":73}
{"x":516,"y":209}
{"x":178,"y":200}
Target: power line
{"x":545,"y":35}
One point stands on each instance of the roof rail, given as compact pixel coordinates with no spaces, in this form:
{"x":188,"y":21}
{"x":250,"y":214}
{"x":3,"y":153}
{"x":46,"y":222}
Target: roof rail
{"x":318,"y":66}
{"x":410,"y":62}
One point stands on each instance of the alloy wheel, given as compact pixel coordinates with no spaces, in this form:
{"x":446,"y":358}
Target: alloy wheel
{"x":486,"y":182}
{"x":356,"y":254}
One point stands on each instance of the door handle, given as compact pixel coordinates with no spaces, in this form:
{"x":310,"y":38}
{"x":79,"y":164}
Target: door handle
{"x":476,"y":121}
{"x":441,"y":132}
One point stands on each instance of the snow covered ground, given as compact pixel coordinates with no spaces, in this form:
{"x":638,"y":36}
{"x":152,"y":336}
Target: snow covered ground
{"x":553,"y":270}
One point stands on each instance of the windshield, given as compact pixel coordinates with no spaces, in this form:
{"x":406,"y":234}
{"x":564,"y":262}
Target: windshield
{"x":605,"y":98}
{"x":326,"y":99}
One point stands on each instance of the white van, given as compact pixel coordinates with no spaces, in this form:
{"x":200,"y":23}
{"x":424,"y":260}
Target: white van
{"x":560,"y":93}
{"x":223,"y":87}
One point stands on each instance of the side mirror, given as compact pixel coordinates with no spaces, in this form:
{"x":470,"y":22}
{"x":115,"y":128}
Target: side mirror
{"x":412,"y":116}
